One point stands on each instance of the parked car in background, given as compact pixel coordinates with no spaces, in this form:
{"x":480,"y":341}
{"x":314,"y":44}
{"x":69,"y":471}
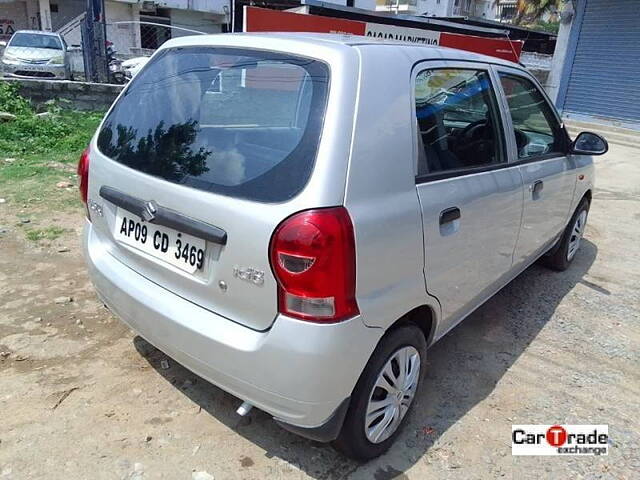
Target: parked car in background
{"x":297,"y":218}
{"x":36,"y":54}
{"x":132,"y":66}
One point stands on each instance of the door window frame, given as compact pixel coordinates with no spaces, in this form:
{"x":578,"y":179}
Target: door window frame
{"x":509,"y":129}
{"x":503,"y":138}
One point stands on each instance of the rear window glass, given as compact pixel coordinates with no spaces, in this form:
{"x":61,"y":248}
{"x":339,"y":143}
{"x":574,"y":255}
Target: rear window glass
{"x":242,"y":123}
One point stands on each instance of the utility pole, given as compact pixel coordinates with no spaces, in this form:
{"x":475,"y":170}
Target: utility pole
{"x":94,"y":44}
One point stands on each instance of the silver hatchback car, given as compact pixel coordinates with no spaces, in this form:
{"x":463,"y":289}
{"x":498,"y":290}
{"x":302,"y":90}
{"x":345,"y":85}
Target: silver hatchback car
{"x":297,"y":218}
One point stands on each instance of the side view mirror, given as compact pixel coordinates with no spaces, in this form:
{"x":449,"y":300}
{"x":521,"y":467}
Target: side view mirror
{"x":587,"y":143}
{"x":3,"y":43}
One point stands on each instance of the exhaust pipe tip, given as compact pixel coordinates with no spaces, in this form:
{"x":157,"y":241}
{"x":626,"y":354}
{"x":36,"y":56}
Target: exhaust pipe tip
{"x":244,"y":409}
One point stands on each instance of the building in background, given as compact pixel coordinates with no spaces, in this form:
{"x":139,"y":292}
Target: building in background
{"x":440,"y":8}
{"x":18,"y":15}
{"x":506,"y":10}
{"x":211,"y":16}
{"x":596,"y":68}
{"x":122,"y":18}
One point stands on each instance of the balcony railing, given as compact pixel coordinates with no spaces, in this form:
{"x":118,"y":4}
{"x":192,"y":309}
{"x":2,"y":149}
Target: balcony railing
{"x":396,"y":5}
{"x":506,"y":11}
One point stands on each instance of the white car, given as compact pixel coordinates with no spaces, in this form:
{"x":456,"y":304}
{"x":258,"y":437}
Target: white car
{"x":36,"y":54}
{"x":132,"y":66}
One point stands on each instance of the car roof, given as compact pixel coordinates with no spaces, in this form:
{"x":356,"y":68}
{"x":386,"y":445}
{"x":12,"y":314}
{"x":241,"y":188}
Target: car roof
{"x":344,"y":40}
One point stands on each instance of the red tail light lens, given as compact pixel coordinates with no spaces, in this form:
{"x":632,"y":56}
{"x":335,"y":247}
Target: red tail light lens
{"x":313,"y":258}
{"x":83,"y":174}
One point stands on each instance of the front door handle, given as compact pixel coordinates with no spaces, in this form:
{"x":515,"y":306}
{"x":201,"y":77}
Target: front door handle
{"x":536,"y":188}
{"x":449,"y":215}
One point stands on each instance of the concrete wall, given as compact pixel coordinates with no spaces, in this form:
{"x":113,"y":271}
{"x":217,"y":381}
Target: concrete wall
{"x":82,"y":96}
{"x":124,"y":36}
{"x":33,"y":14}
{"x":211,"y":6}
{"x":364,"y":4}
{"x":67,"y":11}
{"x":487,"y":9}
{"x":16,"y":16}
{"x":560,"y":53}
{"x":203,"y":22}
{"x":434,"y":8}
{"x":73,"y":36}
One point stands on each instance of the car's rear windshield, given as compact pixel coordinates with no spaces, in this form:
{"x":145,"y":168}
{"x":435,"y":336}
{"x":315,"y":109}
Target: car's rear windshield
{"x":243,"y":123}
{"x":35,"y":40}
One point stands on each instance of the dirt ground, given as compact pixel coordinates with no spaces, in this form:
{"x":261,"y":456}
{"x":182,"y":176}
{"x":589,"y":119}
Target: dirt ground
{"x":81,"y":397}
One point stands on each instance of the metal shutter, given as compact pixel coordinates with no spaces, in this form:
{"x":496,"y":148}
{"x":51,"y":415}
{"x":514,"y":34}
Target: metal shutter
{"x":605,"y":77}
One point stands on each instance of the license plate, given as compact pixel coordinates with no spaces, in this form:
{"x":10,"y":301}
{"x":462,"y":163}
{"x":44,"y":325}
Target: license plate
{"x":32,"y":68}
{"x":181,"y":250}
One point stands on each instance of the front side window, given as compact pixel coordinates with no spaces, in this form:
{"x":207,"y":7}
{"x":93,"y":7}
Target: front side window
{"x":458,"y":123}
{"x":535,"y":126}
{"x":241,"y":123}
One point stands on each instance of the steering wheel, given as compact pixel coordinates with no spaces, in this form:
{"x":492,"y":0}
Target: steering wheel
{"x":473,"y":141}
{"x":469,"y":132}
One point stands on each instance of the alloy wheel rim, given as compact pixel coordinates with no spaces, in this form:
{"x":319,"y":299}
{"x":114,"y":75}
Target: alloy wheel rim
{"x":392,"y":394}
{"x":576,"y":234}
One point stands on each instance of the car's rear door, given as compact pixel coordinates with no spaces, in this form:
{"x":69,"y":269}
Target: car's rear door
{"x":198,"y":162}
{"x":547,"y":171}
{"x":470,"y":197}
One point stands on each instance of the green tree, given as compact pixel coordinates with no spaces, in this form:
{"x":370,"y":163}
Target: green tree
{"x":532,"y":11}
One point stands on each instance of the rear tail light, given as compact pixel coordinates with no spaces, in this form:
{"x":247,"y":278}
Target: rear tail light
{"x":83,"y":175}
{"x":313,"y":258}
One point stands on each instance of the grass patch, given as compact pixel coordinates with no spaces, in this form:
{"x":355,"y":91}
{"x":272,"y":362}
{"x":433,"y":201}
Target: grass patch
{"x":48,"y":233}
{"x":65,"y":131}
{"x":44,"y":151}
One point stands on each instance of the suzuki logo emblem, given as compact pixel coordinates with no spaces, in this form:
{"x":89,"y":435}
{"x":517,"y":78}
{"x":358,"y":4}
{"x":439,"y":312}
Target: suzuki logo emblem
{"x":149,"y":212}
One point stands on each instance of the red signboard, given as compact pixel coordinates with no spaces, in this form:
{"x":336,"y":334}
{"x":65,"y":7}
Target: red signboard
{"x":265,"y":20}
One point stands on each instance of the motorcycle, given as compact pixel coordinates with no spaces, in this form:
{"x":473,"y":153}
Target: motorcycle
{"x":116,"y":71}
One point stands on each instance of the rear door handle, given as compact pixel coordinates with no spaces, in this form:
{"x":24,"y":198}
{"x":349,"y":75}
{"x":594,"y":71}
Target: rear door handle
{"x":449,"y":215}
{"x":536,"y":187}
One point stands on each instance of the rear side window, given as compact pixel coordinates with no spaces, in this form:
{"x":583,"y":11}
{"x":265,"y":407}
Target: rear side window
{"x":458,"y":123}
{"x":242,"y":123}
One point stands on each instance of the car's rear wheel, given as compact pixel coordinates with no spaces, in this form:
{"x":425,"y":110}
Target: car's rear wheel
{"x":565,"y":251}
{"x":384,"y":394}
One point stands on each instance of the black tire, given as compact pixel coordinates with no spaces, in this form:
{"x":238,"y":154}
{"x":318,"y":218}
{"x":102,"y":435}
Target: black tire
{"x":557,"y":258}
{"x":352,"y":440}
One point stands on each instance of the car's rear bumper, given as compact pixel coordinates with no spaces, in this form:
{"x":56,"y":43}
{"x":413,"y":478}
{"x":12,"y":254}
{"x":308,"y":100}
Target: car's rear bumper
{"x":297,"y":371}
